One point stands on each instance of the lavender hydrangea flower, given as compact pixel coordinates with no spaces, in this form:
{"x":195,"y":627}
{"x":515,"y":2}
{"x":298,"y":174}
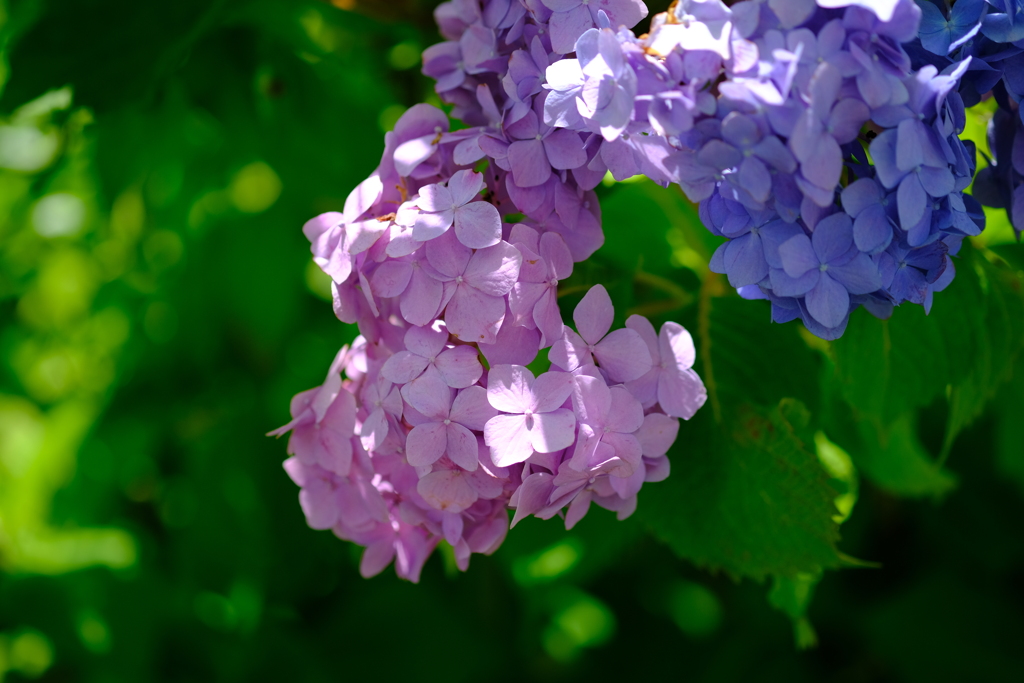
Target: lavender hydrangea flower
{"x":570,"y":18}
{"x":477,"y":223}
{"x":622,"y":353}
{"x":533,"y":418}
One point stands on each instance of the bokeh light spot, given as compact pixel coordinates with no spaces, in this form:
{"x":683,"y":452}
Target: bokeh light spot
{"x":58,"y":214}
{"x":695,"y":609}
{"x":255,"y":188}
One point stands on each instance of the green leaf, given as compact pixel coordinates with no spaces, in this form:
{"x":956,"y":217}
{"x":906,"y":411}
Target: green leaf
{"x":1010,"y":430}
{"x":747,"y":359}
{"x":749,"y":497}
{"x":888,"y":368}
{"x":892,"y":458}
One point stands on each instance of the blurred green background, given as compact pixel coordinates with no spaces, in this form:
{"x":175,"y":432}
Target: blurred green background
{"x":158,"y":309}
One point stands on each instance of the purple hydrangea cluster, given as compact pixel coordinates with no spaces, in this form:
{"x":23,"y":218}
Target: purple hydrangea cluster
{"x":831,"y":164}
{"x":432,"y":425}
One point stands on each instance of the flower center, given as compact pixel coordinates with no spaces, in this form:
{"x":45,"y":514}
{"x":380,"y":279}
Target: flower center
{"x":537,"y":137}
{"x":458,"y":279}
{"x":823,"y":267}
{"x":447,"y":422}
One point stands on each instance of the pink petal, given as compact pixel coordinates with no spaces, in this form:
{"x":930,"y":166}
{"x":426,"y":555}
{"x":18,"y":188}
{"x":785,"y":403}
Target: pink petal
{"x":464,"y":186}
{"x":426,"y":341}
{"x":565,"y":149}
{"x":625,"y":413}
{"x":530,"y":167}
{"x":434,"y":198}
{"x":566,"y":27}
{"x":459,"y":366}
{"x":430,"y":226}
{"x":422,"y":299}
{"x":623,"y":355}
{"x":556,"y":252}
{"x":451,"y":527}
{"x":533,"y":494}
{"x":550,"y":391}
{"x":657,"y":434}
{"x":676,"y":345}
{"x":478,"y":225}
{"x":681,"y":393}
{"x":494,"y":270}
{"x":462,"y":448}
{"x":426,"y":444}
{"x":514,"y":344}
{"x":403,"y":367}
{"x":593,"y":315}
{"x":364,"y":196}
{"x":547,"y":316}
{"x":553,"y":431}
{"x":377,"y":556}
{"x":429,"y":395}
{"x":471,"y":408}
{"x":508,"y":439}
{"x":591,"y":400}
{"x":473,"y":316}
{"x":391,"y":278}
{"x":577,"y":509}
{"x":627,"y":448}
{"x":510,"y":388}
{"x":448,"y":256}
{"x":447,"y":490}
{"x":319,"y":504}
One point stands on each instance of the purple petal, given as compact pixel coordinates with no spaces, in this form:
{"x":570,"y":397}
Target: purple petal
{"x":824,"y":166}
{"x":909,"y":145}
{"x":828,"y":301}
{"x":859,"y":195}
{"x":508,"y":439}
{"x":425,"y":341}
{"x":421,"y":299}
{"x":391,"y":278}
{"x":565,"y":149}
{"x":911,"y":199}
{"x":448,"y":256}
{"x":883,"y":154}
{"x":553,"y":431}
{"x":657,"y":434}
{"x":478,"y":225}
{"x":859,"y":276}
{"x":938,"y":182}
{"x":872,"y":231}
{"x":514,"y":344}
{"x":566,"y":27}
{"x":463,"y":187}
{"x":550,"y":391}
{"x":459,"y":366}
{"x":593,"y":315}
{"x":529,"y":163}
{"x":473,"y":316}
{"x":676,"y":345}
{"x":681,"y":392}
{"x":645,"y":329}
{"x":462,"y":447}
{"x":426,"y":443}
{"x":510,"y":388}
{"x":472,"y":409}
{"x":447,"y":490}
{"x":625,"y":413}
{"x":785,"y":285}
{"x":403,"y":367}
{"x":847,"y":118}
{"x":532,"y":495}
{"x":591,"y":400}
{"x":434,"y":198}
{"x":623,"y":354}
{"x":494,"y":270}
{"x":832,"y":237}
{"x":429,"y":395}
{"x":743,"y":260}
{"x":798,"y":256}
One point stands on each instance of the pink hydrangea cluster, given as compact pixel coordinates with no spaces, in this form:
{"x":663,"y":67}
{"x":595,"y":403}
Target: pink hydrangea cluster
{"x":448,"y":258}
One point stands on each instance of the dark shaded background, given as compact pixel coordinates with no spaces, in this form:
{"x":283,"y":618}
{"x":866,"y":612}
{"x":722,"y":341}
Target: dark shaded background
{"x":158,"y":315}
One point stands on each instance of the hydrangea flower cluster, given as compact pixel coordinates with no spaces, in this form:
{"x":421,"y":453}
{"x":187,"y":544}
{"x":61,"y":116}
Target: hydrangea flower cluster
{"x":819,"y":137}
{"x":991,"y":35}
{"x":766,"y":113}
{"x":431,"y":425}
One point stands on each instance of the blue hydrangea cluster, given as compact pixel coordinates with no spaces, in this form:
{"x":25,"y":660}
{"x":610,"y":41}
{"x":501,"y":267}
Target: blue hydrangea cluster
{"x":991,"y":35}
{"x":833,"y":166}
